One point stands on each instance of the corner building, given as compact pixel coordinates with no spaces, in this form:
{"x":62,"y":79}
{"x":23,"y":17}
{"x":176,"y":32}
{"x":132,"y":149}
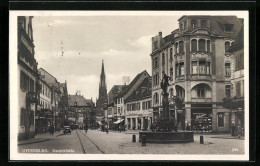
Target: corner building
{"x":195,"y":57}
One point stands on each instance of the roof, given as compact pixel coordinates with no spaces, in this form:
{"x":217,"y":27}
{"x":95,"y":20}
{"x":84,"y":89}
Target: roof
{"x":81,"y":101}
{"x":239,"y":42}
{"x":143,"y":91}
{"x":124,"y":91}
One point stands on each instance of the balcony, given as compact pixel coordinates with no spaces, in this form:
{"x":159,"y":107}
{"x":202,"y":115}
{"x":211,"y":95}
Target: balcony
{"x":206,"y":77}
{"x":201,"y":55}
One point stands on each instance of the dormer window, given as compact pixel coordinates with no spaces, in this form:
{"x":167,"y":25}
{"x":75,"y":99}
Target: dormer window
{"x":193,"y":23}
{"x":228,"y":27}
{"x":155,"y":45}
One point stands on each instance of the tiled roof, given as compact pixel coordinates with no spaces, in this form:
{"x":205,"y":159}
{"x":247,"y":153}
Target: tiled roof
{"x":124,"y":91}
{"x":81,"y":101}
{"x":144,"y":90}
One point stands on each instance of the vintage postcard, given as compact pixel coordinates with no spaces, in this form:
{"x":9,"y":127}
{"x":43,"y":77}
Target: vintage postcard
{"x":129,"y":85}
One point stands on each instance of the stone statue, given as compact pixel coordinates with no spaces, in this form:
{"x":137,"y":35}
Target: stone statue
{"x":165,"y":83}
{"x":165,"y":102}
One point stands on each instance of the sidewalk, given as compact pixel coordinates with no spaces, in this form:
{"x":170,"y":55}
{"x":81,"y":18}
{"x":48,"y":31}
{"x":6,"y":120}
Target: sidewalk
{"x":39,"y":138}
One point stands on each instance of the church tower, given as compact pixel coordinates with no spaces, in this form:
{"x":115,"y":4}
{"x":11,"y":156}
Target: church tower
{"x":102,"y":97}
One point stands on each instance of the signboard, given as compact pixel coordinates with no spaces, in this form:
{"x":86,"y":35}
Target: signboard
{"x":179,"y":111}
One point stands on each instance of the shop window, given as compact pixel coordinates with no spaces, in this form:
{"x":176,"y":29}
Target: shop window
{"x":181,"y":46}
{"x":201,"y":91}
{"x":208,"y":45}
{"x":193,"y":23}
{"x":227,"y":69}
{"x":201,"y":45}
{"x":193,"y":45}
{"x":171,"y":73}
{"x":163,"y":59}
{"x":238,"y":90}
{"x":220,"y":119}
{"x":203,"y":23}
{"x":228,"y":27}
{"x":227,"y":45}
{"x":194,"y":67}
{"x":228,"y":90}
{"x":171,"y":58}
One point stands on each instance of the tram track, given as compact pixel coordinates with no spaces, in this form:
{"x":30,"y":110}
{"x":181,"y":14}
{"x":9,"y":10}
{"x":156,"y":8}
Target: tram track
{"x":82,"y":146}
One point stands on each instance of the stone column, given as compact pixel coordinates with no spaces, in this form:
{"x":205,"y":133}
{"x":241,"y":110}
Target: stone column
{"x":187,"y":114}
{"x":142,"y":123}
{"x":136,"y":123}
{"x":131,"y":123}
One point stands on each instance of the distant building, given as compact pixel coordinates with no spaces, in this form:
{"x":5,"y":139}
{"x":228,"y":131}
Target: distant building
{"x":195,"y":57}
{"x":28,"y":76}
{"x":101,"y":102}
{"x":82,"y":110}
{"x":139,"y":112}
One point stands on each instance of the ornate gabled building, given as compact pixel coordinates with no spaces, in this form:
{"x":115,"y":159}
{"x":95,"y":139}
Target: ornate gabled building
{"x":195,"y":57}
{"x":102,"y":97}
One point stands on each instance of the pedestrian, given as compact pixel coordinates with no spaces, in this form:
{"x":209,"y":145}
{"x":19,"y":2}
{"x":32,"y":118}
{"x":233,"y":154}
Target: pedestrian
{"x":51,"y":129}
{"x":120,"y":128}
{"x":106,"y":128}
{"x":86,"y":128}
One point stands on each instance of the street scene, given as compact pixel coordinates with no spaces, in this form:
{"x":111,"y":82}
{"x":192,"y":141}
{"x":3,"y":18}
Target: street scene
{"x":118,"y":84}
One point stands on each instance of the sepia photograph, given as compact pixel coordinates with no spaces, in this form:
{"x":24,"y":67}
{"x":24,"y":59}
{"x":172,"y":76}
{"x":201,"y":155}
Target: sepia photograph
{"x":129,"y":85}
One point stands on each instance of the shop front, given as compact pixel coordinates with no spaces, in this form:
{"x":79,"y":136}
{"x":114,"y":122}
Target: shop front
{"x":201,"y":118}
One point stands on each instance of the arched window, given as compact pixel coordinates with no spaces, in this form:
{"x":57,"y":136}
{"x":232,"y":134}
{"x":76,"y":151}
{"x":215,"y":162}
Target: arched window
{"x":193,"y":45}
{"x":156,"y":98}
{"x":176,"y":48}
{"x":171,"y":53}
{"x":227,"y":45}
{"x":181,"y":46}
{"x":201,"y":45}
{"x":163,"y":59}
{"x":208,"y":45}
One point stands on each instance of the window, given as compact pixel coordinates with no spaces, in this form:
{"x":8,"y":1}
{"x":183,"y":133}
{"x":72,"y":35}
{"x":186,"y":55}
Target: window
{"x":229,"y":27}
{"x":227,"y":69}
{"x":201,"y":91}
{"x":202,"y":67}
{"x":176,"y":48}
{"x":155,"y":62}
{"x":148,"y":104}
{"x":31,"y":85}
{"x":208,"y":67}
{"x":227,"y":45}
{"x":185,"y":25}
{"x":228,"y":91}
{"x":171,"y":93}
{"x":221,"y":119}
{"x":171,"y":73}
{"x":238,"y":90}
{"x":137,"y":106}
{"x":181,"y":46}
{"x":143,"y":105}
{"x":203,"y":24}
{"x":156,"y":79}
{"x":155,"y":45}
{"x":156,"y":98}
{"x":163,"y":59}
{"x":193,"y":45}
{"x":239,"y":61}
{"x":24,"y":81}
{"x":193,"y":23}
{"x":118,"y":110}
{"x":180,"y":27}
{"x":201,"y":45}
{"x":208,"y":45}
{"x":171,"y":54}
{"x":194,"y":67}
{"x":182,"y":68}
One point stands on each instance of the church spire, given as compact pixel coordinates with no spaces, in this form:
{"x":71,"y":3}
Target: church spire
{"x":102,"y":76}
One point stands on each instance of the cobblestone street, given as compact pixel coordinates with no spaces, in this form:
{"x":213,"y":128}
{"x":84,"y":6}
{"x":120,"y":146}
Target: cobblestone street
{"x":97,"y":142}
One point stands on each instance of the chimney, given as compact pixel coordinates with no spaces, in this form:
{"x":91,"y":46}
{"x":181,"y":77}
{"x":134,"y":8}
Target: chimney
{"x":160,"y":34}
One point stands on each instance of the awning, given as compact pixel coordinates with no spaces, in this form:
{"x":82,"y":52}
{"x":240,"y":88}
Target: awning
{"x":118,"y":121}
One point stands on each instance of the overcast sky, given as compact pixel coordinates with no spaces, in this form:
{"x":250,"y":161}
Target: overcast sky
{"x":124,"y":42}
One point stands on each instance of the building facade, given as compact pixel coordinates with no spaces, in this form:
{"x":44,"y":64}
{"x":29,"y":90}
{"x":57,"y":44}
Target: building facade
{"x":139,"y":112}
{"x":196,"y":59}
{"x":101,"y":102}
{"x":83,"y":110}
{"x":28,"y":76}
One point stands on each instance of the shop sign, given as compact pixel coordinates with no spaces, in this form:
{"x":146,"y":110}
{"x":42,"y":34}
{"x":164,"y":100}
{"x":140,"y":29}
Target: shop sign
{"x":179,"y":111}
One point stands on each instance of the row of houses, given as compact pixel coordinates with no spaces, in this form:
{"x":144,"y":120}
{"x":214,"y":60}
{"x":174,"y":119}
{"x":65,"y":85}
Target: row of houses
{"x":43,"y":101}
{"x":204,"y":59}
